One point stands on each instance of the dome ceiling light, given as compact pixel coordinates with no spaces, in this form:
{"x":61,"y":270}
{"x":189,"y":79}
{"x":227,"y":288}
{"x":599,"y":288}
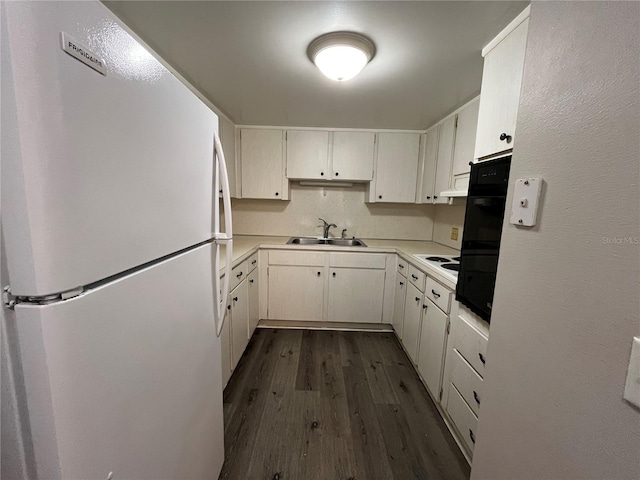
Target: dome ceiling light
{"x":341,"y":55}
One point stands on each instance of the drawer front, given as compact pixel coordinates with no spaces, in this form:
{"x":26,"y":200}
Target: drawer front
{"x":417,"y":278}
{"x":466,"y":381}
{"x":471,"y":344}
{"x":403,"y":267}
{"x":463,"y":417}
{"x":297,"y":258}
{"x":252,"y":262}
{"x":238,"y":274}
{"x":438,"y":294}
{"x":357,"y":260}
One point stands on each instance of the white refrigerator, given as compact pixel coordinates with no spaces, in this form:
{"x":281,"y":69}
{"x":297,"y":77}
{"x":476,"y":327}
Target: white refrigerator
{"x":111,"y":169}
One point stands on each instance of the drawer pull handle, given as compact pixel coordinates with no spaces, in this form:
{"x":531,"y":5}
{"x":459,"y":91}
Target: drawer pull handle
{"x":414,"y":277}
{"x":435,"y":294}
{"x":254,"y":262}
{"x":239,"y":275}
{"x":472,"y":436}
{"x":417,"y":299}
{"x":476,"y":397}
{"x":484,"y":362}
{"x":400,"y":265}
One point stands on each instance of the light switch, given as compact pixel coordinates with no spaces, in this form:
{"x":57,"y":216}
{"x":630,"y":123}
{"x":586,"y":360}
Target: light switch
{"x":632,"y":387}
{"x":526,"y":196}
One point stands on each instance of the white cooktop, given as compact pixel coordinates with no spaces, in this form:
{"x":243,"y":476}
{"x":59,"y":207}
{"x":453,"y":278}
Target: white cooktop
{"x":445,"y":265}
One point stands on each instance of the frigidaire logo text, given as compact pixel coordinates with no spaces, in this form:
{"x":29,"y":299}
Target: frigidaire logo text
{"x":85,"y":54}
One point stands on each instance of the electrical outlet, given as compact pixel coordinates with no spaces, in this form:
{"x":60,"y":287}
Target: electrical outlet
{"x":454,"y":233}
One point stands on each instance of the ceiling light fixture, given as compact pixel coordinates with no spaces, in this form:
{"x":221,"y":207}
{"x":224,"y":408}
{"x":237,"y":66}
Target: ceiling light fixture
{"x":341,"y":55}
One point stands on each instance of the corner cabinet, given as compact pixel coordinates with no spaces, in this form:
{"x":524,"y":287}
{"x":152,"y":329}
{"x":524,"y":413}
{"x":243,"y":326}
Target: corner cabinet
{"x":500,"y":91}
{"x":396,"y":168}
{"x":263,"y":164}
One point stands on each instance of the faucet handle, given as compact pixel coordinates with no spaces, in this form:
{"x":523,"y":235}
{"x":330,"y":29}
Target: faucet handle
{"x":344,"y":233}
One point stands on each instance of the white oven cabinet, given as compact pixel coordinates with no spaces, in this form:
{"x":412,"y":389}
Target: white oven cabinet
{"x":308,"y":154}
{"x":500,"y":90}
{"x":433,"y":339}
{"x":396,"y":168}
{"x":263,"y":164}
{"x":355,"y":295}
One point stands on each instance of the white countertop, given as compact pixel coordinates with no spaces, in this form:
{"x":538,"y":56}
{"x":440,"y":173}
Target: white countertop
{"x":245,"y":245}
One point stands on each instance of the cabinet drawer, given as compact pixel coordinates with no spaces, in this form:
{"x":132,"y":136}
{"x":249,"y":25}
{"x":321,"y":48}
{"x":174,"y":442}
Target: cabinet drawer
{"x":438,"y":294}
{"x":463,"y":417}
{"x":471,"y":344}
{"x":416,"y":277}
{"x":238,"y":274}
{"x":403,"y":266}
{"x":466,"y":380}
{"x":357,"y":260}
{"x":288,"y":257}
{"x":252,"y":262}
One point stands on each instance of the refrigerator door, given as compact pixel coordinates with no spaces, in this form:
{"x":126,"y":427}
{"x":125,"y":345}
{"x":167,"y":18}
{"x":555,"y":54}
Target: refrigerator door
{"x":127,"y":378}
{"x":100,"y":173}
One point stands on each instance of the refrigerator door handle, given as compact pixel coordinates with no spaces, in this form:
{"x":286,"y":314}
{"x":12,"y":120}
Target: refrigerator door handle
{"x":221,"y":183}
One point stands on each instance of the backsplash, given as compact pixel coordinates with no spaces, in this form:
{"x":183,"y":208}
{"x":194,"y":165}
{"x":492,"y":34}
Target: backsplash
{"x":447,"y":216}
{"x":343,"y":206}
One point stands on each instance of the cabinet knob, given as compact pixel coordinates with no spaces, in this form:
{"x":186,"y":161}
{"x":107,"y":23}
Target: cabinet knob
{"x":417,"y":299}
{"x":504,"y":136}
{"x":220,"y":190}
{"x":334,"y":274}
{"x":482,"y":359}
{"x":380,"y":197}
{"x":276,"y":194}
{"x":476,"y":397}
{"x":228,"y":307}
{"x":235,"y":299}
{"x":251,"y":281}
{"x":336,"y":174}
{"x":318,"y":273}
{"x":435,"y":197}
{"x":424,"y":306}
{"x":322,"y":174}
{"x":428,"y":197}
{"x":401,"y":283}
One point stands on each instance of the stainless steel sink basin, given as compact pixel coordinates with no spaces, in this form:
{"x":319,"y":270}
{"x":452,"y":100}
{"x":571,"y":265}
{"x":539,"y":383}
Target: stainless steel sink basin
{"x":337,"y":242}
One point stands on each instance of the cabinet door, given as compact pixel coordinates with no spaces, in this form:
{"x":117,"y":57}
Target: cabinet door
{"x":262,"y":160}
{"x":430,"y":160}
{"x":433,"y":337}
{"x":307,"y":154}
{"x":239,"y":301}
{"x":445,"y":158}
{"x":500,"y":93}
{"x":398,"y":305}
{"x":353,"y":156}
{"x":225,"y":347}
{"x":412,"y":318}
{"x":397,"y":167}
{"x":465,"y":138}
{"x":254,"y":301}
{"x":228,"y":140}
{"x":295,"y":292}
{"x":355,"y":295}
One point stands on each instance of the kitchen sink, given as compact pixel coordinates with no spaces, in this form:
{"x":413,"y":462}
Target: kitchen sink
{"x":337,"y":242}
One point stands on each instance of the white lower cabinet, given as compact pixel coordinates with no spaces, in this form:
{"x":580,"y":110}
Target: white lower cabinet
{"x":398,"y":305}
{"x":355,"y":295}
{"x":412,"y":319}
{"x":296,"y":292}
{"x":433,"y":338}
{"x":239,"y":301}
{"x":463,"y":417}
{"x":254,"y":301}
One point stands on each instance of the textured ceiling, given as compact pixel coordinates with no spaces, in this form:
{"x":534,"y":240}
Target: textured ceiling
{"x":249,"y":58}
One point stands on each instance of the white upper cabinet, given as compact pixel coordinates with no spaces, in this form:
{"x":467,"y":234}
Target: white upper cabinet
{"x":445,"y":158}
{"x":308,"y":154}
{"x":228,"y":140}
{"x":352,"y":157}
{"x":465,"y":138}
{"x":429,"y":161}
{"x":262,"y":160}
{"x":396,"y":168}
{"x":500,"y":92}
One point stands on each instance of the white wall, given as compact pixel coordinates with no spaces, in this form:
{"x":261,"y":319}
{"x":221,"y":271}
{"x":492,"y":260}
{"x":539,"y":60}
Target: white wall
{"x":343,"y":206}
{"x":567,"y":303}
{"x":446,"y":217}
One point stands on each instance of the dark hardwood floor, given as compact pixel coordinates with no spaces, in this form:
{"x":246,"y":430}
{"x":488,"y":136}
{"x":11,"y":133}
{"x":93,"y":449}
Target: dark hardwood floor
{"x":325,"y":405}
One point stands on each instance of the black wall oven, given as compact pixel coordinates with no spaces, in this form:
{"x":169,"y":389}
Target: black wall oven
{"x":481,"y":237}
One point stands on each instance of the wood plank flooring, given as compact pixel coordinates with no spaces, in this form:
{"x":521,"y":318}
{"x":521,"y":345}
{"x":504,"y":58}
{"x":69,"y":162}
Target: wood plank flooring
{"x":325,"y":405}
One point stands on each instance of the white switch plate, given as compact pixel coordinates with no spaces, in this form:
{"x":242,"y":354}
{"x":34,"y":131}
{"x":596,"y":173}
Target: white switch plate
{"x":632,"y":387}
{"x":526,"y":197}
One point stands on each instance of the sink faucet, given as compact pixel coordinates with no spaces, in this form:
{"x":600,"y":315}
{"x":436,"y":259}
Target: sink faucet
{"x":326,"y":226}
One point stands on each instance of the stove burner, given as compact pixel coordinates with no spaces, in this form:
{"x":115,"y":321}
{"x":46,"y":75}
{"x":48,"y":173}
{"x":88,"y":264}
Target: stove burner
{"x":452,"y":266}
{"x":437,"y":259}
{"x":456,"y":259}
